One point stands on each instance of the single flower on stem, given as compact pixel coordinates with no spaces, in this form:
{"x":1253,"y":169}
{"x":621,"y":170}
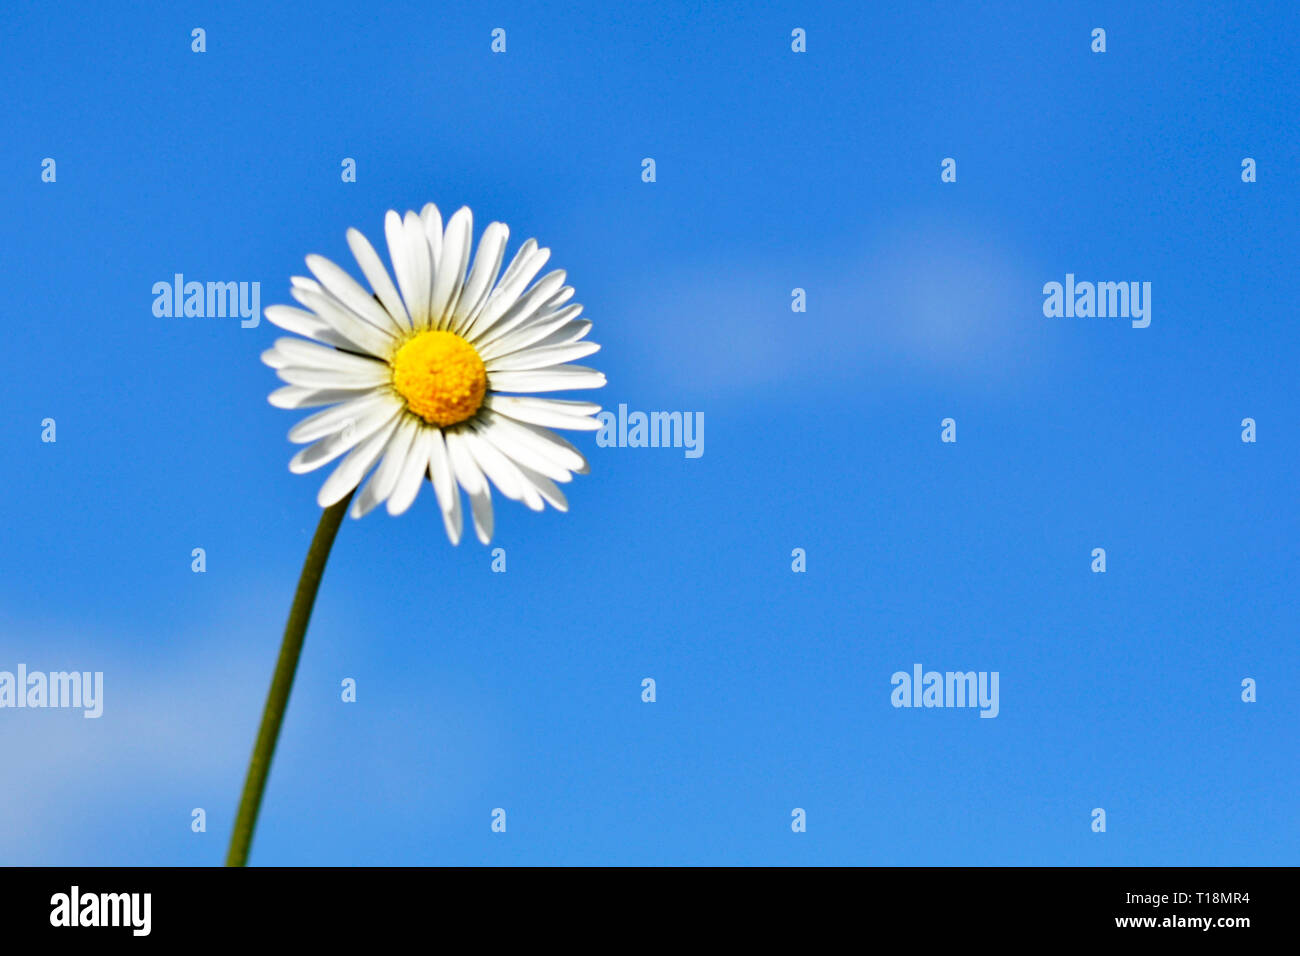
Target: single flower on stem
{"x":414,"y":379}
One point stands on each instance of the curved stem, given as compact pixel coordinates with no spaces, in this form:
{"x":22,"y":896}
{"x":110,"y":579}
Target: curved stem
{"x":277,"y":699}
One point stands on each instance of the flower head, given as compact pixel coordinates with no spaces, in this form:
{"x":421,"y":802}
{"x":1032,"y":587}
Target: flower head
{"x":416,"y":380}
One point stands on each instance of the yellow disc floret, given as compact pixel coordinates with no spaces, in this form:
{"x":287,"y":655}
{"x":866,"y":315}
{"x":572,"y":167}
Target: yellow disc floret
{"x":441,"y":377}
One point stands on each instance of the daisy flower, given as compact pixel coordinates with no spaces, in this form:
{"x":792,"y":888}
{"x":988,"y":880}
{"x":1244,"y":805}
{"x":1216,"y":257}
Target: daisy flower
{"x":417,"y":374}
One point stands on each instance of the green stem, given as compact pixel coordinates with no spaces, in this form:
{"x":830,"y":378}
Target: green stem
{"x":277,"y":699}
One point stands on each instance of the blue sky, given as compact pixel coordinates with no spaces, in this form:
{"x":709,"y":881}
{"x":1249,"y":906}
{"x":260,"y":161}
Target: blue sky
{"x":775,"y":170}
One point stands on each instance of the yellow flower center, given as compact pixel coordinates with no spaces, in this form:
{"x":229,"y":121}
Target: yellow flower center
{"x":441,"y":377}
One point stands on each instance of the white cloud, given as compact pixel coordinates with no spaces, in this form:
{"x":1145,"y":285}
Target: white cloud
{"x":922,"y":296}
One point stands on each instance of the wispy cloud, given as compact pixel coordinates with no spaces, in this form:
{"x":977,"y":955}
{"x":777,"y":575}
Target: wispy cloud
{"x":174,"y":724}
{"x":922,"y":296}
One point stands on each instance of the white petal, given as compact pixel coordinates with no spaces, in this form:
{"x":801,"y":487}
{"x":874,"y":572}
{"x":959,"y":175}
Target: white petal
{"x":346,"y":323}
{"x":334,"y":378}
{"x":454,"y":520}
{"x":463,"y":468}
{"x":542,"y":357}
{"x":298,"y":396}
{"x":306,"y":354}
{"x":481,"y":508}
{"x":334,"y":419}
{"x":471,"y":479}
{"x":413,"y":472}
{"x":548,"y":412}
{"x":411,"y":265}
{"x":525,"y":307}
{"x":420,"y":261}
{"x":487,"y":263}
{"x":534,"y":330}
{"x":380,"y":281}
{"x":501,"y":470}
{"x":440,"y":472}
{"x":351,"y":295}
{"x":351,"y":469}
{"x":568,"y":332}
{"x":560,"y":442}
{"x":518,"y":275}
{"x":385,"y":477}
{"x":331,"y":446}
{"x":302,"y":322}
{"x":274,"y":359}
{"x":432,"y":220}
{"x":444,"y":485}
{"x":451,"y":267}
{"x":567,"y":406}
{"x":542,"y":441}
{"x":521,"y":453}
{"x":302,"y":282}
{"x":521,"y":259}
{"x":546,"y":488}
{"x":557,"y":300}
{"x":557,"y":379}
